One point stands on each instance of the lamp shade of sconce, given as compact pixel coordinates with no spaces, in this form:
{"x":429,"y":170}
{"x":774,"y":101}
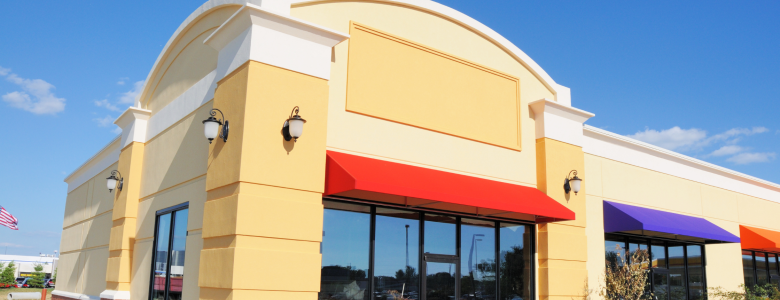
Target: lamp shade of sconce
{"x":293,"y":126}
{"x":114,"y":181}
{"x":572,"y":183}
{"x":211,"y":126}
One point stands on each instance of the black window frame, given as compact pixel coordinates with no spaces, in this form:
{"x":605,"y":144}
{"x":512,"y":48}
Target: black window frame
{"x":421,"y":250}
{"x":755,"y":268}
{"x":170,"y":210}
{"x":628,"y":238}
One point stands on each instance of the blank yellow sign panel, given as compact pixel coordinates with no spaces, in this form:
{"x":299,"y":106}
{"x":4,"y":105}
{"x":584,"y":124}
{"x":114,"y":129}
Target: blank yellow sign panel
{"x":402,"y":81}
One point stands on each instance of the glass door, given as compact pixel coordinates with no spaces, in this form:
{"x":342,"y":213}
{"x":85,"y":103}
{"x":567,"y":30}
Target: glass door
{"x":170,"y":243}
{"x":441,"y":274}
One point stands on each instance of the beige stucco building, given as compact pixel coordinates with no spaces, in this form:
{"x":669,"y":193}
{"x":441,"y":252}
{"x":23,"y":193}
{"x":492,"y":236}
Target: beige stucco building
{"x":431,"y":165}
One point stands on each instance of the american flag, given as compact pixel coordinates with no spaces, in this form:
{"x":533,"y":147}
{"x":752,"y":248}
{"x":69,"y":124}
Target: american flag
{"x":8,"y":220}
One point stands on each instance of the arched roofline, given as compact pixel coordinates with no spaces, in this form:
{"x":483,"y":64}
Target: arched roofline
{"x":424,"y":5}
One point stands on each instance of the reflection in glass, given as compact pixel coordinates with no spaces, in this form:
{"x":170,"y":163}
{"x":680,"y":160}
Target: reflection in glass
{"x":613,"y":250}
{"x":747,"y":268}
{"x":178,"y":250}
{"x":345,"y":241}
{"x":440,"y":234}
{"x":658,"y":255}
{"x":774,"y":277}
{"x":161,"y":256}
{"x":695,"y":274}
{"x":397,"y":248}
{"x":661,"y":284}
{"x":514,"y":261}
{"x":761,"y":272}
{"x":478,"y":259}
{"x":440,"y":281}
{"x":677,"y":273}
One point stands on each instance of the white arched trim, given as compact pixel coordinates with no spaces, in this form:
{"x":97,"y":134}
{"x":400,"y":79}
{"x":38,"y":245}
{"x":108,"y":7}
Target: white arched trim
{"x":562,"y":93}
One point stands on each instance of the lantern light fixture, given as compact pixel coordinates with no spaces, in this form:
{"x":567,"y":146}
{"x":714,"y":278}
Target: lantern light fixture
{"x":211,"y":126}
{"x":572,"y":183}
{"x":114,"y":181}
{"x":293,"y":126}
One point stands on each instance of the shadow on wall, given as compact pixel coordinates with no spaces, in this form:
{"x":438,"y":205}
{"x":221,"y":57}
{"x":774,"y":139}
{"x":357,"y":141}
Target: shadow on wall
{"x":191,"y":157}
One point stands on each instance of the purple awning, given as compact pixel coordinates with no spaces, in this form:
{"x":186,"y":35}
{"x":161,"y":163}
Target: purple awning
{"x":650,"y":222}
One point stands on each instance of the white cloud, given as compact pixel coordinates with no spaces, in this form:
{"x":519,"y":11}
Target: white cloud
{"x":12,"y":245}
{"x":733,"y":133}
{"x":679,"y":139}
{"x":130,"y":96}
{"x":127,"y":98}
{"x":107,"y":105}
{"x":105,"y":121}
{"x":117,"y":130}
{"x":36,"y":95}
{"x":747,"y":158}
{"x":727,"y":150}
{"x":672,"y":138}
{"x":122,"y":80}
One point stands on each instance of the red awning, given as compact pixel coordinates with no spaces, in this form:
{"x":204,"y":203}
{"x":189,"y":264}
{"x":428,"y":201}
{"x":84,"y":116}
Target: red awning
{"x":372,"y":179}
{"x":759,"y":239}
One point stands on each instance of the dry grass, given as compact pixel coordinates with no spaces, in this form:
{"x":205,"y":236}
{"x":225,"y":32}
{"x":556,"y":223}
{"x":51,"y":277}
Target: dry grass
{"x":4,"y":292}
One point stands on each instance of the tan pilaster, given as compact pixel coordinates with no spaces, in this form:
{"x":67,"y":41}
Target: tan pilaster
{"x":125,"y":213}
{"x":262,"y":221}
{"x":562,"y":246}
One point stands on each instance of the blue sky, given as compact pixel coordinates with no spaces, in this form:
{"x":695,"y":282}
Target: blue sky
{"x":701,"y":78}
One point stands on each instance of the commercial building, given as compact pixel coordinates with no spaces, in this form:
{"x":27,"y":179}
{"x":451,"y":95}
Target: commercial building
{"x":25,"y":264}
{"x":431,"y":163}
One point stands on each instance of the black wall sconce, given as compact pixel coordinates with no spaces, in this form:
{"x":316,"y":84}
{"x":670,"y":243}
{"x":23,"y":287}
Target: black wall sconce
{"x":293,"y":127}
{"x":211,"y":126}
{"x":572,"y":183}
{"x":114,"y":182}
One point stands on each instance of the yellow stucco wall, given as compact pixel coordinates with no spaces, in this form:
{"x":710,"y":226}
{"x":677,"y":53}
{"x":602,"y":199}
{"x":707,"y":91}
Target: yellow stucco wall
{"x":85,"y":237}
{"x":620,"y":182}
{"x":397,"y":79}
{"x":370,"y":136}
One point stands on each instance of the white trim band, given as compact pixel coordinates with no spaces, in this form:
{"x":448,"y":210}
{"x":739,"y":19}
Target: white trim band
{"x":616,"y":147}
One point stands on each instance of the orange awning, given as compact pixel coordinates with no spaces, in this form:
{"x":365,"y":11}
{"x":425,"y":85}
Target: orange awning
{"x":759,"y":239}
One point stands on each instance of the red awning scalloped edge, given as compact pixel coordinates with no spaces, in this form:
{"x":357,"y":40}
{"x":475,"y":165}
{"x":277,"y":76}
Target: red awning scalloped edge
{"x":372,"y":179}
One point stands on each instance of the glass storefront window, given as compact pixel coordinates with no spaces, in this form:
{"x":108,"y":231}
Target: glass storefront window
{"x":695,"y":273}
{"x":397,"y":248}
{"x":478,"y":259}
{"x":774,"y":276}
{"x":613,"y":249}
{"x":677,"y":269}
{"x":658,"y":255}
{"x":345,"y":249}
{"x":440,"y":234}
{"x":677,"y":272}
{"x":747,"y":268}
{"x":760,"y":268}
{"x":514,"y":261}
{"x":170,"y":249}
{"x":160,"y":268}
{"x":418,"y":255}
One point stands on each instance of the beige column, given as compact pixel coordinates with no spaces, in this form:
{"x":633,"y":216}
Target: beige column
{"x":562,"y":246}
{"x":120,"y":247}
{"x":263,"y":216}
